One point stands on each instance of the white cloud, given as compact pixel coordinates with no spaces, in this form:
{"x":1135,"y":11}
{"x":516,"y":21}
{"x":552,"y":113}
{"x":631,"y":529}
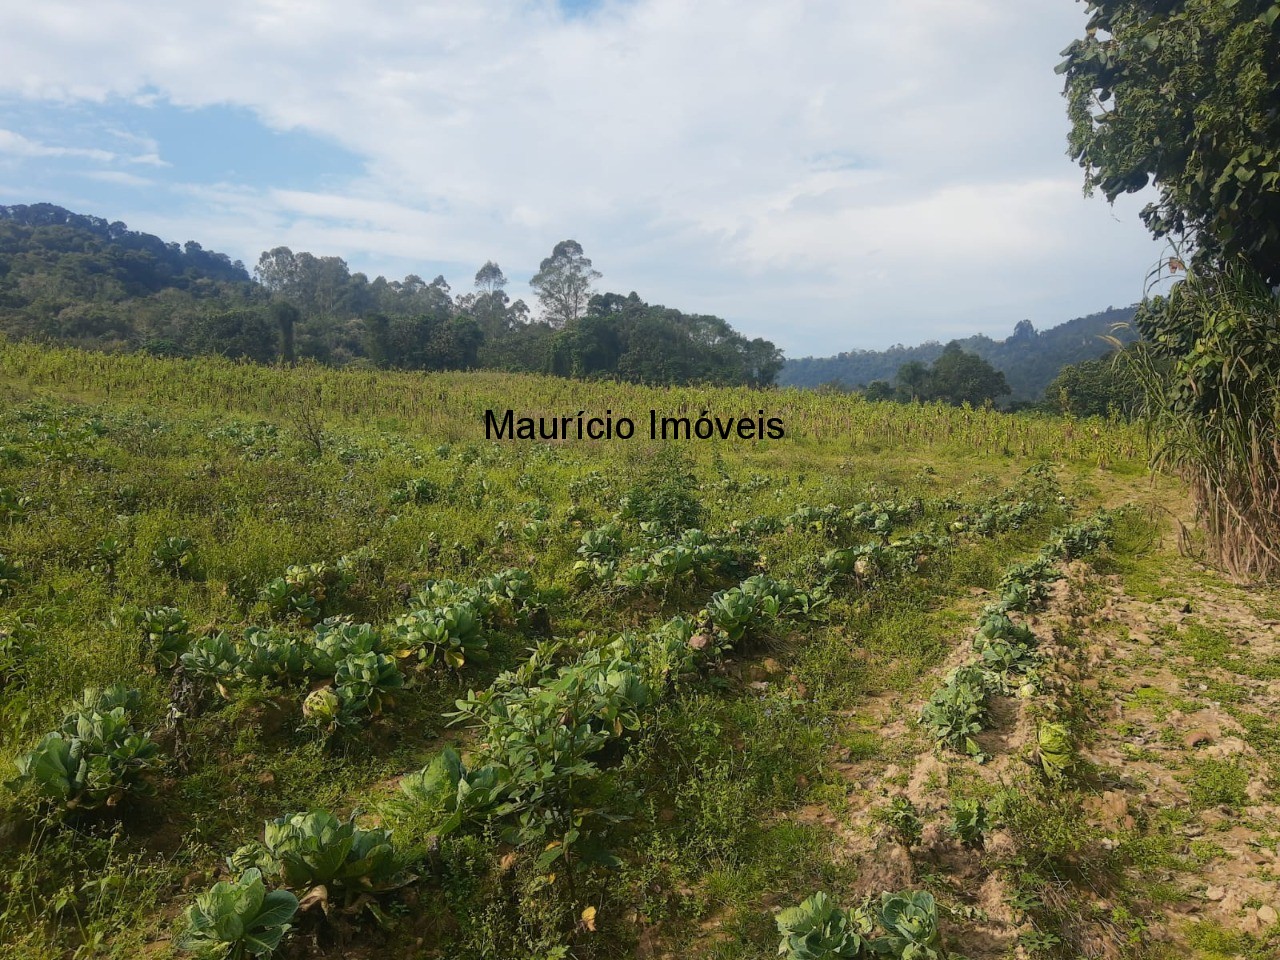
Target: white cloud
{"x":120,"y":177}
{"x":15,"y":144}
{"x":828,"y":173}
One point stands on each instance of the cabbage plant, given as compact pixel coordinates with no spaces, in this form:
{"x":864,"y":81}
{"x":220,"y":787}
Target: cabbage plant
{"x":336,"y":639}
{"x":451,"y":633}
{"x":957,"y":710}
{"x":215,"y":658}
{"x":910,"y":924}
{"x":365,"y":682}
{"x":166,"y":633}
{"x":316,"y":849}
{"x":1055,"y":749}
{"x":236,"y":919}
{"x":96,"y":758}
{"x":176,"y":556}
{"x":970,"y":822}
{"x":817,"y":929}
{"x":270,"y":655}
{"x":444,"y":795}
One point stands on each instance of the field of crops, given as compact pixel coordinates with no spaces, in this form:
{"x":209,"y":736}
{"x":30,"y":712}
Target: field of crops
{"x":296,"y":663}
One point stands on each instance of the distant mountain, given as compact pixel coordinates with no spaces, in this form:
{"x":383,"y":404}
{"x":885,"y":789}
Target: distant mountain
{"x":1029,"y":358}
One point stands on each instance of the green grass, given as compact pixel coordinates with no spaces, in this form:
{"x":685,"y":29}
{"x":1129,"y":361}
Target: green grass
{"x":704,"y":797}
{"x":1212,"y":782}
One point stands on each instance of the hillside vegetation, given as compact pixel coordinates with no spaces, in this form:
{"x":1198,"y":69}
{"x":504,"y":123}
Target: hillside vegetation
{"x":347,"y":675}
{"x":1029,"y":358}
{"x":80,"y":280}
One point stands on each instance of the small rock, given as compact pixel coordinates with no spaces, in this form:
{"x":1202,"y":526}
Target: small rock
{"x":1267,"y":914}
{"x":1215,"y":893}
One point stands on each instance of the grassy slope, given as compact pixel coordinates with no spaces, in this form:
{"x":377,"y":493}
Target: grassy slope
{"x":738,"y":774}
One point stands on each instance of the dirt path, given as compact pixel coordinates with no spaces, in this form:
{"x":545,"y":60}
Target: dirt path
{"x":1165,"y":840}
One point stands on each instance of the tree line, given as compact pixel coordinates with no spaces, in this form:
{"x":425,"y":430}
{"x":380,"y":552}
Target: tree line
{"x":1029,"y":358}
{"x":72,"y":278}
{"x":1101,"y":387}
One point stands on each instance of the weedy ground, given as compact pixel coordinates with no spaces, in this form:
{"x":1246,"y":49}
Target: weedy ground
{"x":763,"y":775}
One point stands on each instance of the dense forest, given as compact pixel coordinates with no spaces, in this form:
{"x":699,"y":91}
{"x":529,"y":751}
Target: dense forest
{"x":86,"y":281}
{"x":1030,"y":359}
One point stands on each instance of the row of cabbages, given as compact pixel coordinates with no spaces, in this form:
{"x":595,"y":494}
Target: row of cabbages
{"x":1007,"y":658}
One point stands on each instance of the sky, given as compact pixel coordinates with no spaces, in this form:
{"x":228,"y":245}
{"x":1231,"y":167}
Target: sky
{"x":829,"y":174}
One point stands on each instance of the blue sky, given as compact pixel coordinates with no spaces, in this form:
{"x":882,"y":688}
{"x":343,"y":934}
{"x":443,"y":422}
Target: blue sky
{"x":830,"y":175}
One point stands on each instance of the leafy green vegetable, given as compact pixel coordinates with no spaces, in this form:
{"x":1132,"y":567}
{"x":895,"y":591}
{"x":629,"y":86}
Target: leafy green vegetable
{"x":1055,"y":749}
{"x":96,"y":758}
{"x":957,"y":709}
{"x":970,"y":822}
{"x":317,"y":849}
{"x":444,"y":795}
{"x":166,"y":634}
{"x":177,"y":557}
{"x":238,"y":919}
{"x":215,"y":658}
{"x":910,"y":923}
{"x":819,"y":930}
{"x":903,"y":817}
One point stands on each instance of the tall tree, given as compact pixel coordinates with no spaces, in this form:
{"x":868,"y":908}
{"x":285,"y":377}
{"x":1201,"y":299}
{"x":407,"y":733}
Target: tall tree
{"x":959,"y":377}
{"x":1185,"y":95}
{"x":563,"y":283}
{"x":489,"y":304}
{"x":286,"y":316}
{"x":490,"y":278}
{"x":277,"y":270}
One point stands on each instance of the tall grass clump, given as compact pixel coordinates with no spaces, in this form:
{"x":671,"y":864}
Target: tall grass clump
{"x":1210,"y":368}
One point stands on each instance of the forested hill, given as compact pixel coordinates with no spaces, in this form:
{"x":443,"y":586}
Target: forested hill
{"x":1029,"y":358}
{"x":93,"y":283}
{"x":43,"y":238}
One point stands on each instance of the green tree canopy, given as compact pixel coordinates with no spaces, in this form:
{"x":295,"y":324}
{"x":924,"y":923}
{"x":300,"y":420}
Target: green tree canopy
{"x":1185,"y":95}
{"x":1094,"y":388}
{"x":563,"y":283}
{"x":956,"y":377}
